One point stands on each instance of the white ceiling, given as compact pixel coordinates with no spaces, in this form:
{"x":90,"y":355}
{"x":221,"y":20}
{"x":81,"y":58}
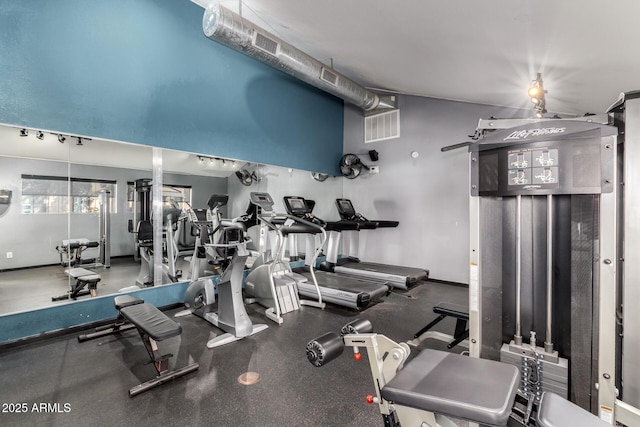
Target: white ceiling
{"x":477,"y":51}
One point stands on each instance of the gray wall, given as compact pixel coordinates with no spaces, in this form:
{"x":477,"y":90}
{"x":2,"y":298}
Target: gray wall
{"x":428,"y":195}
{"x":33,"y":238}
{"x":280,"y":182}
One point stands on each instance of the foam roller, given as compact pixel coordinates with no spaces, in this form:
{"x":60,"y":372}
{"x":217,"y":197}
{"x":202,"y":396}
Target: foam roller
{"x":324,"y":349}
{"x":358,"y":326}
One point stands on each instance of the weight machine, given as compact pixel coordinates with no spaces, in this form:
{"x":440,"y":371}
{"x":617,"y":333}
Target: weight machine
{"x":550,"y":227}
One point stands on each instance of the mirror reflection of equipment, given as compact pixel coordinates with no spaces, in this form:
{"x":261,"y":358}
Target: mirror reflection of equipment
{"x":5,"y":201}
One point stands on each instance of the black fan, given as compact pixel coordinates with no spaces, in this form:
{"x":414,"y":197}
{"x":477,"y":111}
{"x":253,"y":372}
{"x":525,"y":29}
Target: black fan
{"x":351,"y":166}
{"x":246,"y":178}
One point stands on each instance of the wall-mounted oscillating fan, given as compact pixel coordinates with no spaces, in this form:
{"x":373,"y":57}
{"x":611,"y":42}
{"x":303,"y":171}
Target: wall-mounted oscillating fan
{"x":246,"y":178}
{"x":351,"y":166}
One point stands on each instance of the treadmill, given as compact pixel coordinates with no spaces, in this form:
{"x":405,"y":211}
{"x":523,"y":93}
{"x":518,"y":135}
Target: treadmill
{"x":345,"y":291}
{"x":397,"y":276}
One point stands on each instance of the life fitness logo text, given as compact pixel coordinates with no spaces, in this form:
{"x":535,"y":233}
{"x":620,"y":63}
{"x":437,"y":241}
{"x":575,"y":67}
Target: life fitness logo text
{"x":524,"y":134}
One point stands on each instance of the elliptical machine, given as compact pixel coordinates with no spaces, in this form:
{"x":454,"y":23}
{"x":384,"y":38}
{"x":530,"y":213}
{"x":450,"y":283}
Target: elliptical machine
{"x":271,"y":281}
{"x":200,"y":297}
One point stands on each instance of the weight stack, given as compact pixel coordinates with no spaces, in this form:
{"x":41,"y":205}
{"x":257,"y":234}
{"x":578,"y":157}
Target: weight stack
{"x":545,"y":371}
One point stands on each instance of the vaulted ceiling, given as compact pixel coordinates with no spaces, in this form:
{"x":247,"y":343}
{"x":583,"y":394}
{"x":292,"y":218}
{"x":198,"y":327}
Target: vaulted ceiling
{"x":475,"y":51}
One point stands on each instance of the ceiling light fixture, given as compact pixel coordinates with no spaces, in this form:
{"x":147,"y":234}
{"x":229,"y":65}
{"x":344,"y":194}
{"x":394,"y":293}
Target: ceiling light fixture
{"x":24,"y":132}
{"x":61,"y":139}
{"x":537,"y":94}
{"x":40,"y":135}
{"x":206,"y":160}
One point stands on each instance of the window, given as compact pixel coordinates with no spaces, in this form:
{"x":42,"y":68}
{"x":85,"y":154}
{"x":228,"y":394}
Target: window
{"x":61,"y":195}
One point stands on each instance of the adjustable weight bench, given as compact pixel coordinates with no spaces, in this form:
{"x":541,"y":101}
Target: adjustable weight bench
{"x":119,"y":325}
{"x":153,"y":326}
{"x":83,"y":278}
{"x":446,"y":309}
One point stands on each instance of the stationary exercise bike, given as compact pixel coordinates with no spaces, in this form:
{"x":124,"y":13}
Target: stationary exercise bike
{"x":230,"y":314}
{"x":436,"y":385}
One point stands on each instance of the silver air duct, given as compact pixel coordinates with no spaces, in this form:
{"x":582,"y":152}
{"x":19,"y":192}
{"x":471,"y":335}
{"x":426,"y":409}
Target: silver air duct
{"x":230,"y":29}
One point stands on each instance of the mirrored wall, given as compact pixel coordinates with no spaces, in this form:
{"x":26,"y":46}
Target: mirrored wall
{"x":73,"y":207}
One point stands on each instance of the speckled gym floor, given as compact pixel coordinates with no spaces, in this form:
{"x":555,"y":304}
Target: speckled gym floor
{"x":86,"y":384}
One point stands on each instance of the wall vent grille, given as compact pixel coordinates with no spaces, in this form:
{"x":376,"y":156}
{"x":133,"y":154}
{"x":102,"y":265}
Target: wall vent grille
{"x":329,"y":77}
{"x":263,"y":42}
{"x":379,"y":127}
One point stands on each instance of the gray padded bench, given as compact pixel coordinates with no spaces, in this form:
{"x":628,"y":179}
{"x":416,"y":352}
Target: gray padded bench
{"x":459,"y":386}
{"x":119,"y":325}
{"x":83,"y":278}
{"x":153,"y":325}
{"x":555,"y":411}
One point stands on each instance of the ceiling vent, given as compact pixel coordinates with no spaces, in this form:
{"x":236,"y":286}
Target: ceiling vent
{"x":232,"y":30}
{"x":265,"y":43}
{"x":378,"y":127}
{"x":329,"y":77}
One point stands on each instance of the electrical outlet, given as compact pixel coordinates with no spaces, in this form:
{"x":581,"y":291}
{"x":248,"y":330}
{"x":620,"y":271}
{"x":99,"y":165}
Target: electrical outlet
{"x":9,"y":255}
{"x":374,"y":169}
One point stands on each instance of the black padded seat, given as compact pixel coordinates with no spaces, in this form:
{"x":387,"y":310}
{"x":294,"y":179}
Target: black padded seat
{"x":450,"y":309}
{"x":459,"y":386}
{"x":151,"y":321}
{"x":83,"y":274}
{"x":554,"y":411}
{"x":444,"y":310}
{"x":122,"y":301}
{"x":145,"y":234}
{"x":119,"y":325}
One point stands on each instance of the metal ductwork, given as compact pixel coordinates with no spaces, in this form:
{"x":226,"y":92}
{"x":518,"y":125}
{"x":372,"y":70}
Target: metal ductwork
{"x":230,"y":29}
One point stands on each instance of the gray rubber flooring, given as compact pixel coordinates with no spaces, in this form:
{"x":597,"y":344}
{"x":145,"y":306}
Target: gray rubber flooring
{"x":49,"y":281}
{"x":60,"y":382}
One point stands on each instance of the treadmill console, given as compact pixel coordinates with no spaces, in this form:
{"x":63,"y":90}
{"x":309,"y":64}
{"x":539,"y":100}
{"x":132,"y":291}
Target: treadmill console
{"x":345,"y":209}
{"x":296,"y":206}
{"x":263,"y":200}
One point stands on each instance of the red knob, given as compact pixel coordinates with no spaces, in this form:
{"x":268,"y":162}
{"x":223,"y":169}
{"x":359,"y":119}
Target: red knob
{"x":357,"y":356}
{"x":369,"y":399}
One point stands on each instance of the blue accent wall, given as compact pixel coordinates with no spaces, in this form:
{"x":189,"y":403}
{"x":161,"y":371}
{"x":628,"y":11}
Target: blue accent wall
{"x":142,"y":71}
